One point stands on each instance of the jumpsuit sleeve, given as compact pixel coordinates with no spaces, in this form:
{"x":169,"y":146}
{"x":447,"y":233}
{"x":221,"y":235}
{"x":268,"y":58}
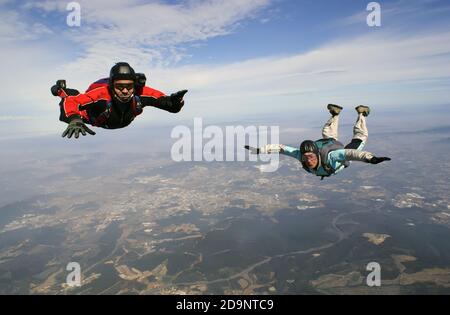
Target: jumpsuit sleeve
{"x":74,"y":105}
{"x":281,"y":149}
{"x":350,"y":155}
{"x":155,"y":98}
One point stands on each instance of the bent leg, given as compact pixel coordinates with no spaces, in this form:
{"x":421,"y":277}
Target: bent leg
{"x":356,"y":144}
{"x":62,"y":114}
{"x":330,"y":129}
{"x":360,"y":134}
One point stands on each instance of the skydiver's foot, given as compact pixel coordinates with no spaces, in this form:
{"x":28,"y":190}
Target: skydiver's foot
{"x":362,"y":109}
{"x":54,"y":89}
{"x":334,"y":109}
{"x":60,"y":84}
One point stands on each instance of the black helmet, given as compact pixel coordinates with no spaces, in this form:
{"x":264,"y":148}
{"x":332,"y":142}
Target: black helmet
{"x":305,"y":147}
{"x":121,"y":71}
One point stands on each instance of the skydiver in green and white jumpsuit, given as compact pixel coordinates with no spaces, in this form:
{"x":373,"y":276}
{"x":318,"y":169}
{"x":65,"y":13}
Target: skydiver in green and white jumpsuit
{"x":328,"y":156}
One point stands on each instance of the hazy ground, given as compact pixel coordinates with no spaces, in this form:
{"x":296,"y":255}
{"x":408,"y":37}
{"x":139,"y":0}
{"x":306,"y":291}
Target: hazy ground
{"x":137,"y":222}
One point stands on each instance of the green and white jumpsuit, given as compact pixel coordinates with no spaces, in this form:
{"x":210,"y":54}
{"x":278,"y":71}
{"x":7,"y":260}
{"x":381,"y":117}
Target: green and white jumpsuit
{"x":338,"y":157}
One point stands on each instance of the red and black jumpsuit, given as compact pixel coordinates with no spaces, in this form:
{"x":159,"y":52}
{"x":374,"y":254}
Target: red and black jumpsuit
{"x":98,"y":108}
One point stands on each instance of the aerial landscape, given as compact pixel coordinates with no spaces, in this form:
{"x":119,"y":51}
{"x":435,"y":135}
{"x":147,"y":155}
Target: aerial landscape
{"x":154,"y":226}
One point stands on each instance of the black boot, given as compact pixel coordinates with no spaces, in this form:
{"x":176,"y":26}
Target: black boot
{"x":60,"y":84}
{"x":334,"y":109}
{"x":362,"y":109}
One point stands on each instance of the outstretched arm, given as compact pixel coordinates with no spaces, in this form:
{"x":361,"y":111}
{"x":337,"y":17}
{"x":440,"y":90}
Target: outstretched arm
{"x":356,"y":155}
{"x":173,"y":103}
{"x":276,"y":148}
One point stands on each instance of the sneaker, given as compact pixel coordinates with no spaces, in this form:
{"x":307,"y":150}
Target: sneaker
{"x":365,"y":110}
{"x":334,"y":109}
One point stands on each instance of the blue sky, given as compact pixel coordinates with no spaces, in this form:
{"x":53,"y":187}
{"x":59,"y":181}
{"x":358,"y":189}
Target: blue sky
{"x":235,"y":57}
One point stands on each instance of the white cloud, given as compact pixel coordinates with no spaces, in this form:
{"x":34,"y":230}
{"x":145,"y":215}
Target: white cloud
{"x":46,"y":5}
{"x":14,"y":118}
{"x":367,"y":59}
{"x":14,"y":28}
{"x":379,"y":70}
{"x":349,"y":70}
{"x":398,"y":13}
{"x":147,"y":33}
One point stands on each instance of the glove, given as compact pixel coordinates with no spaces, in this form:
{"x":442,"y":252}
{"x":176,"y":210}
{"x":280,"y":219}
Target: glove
{"x":177,"y":98}
{"x":376,"y":160}
{"x":76,"y":126}
{"x":252,"y":149}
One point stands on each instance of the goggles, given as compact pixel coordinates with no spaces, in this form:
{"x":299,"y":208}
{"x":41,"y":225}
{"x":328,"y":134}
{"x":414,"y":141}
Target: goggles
{"x":121,"y":86}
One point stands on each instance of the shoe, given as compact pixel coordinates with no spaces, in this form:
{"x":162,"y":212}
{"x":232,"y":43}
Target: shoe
{"x":334,"y":109}
{"x":361,"y":109}
{"x":60,"y":84}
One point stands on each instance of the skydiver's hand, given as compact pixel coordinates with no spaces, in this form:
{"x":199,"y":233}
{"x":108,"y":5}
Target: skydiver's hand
{"x":252,"y":149}
{"x":376,"y":160}
{"x":75,"y":127}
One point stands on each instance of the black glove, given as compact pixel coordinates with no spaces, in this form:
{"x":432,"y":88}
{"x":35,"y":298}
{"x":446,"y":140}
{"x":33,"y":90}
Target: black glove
{"x":376,"y":160}
{"x":76,"y":126}
{"x":177,"y":98}
{"x":252,"y":149}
